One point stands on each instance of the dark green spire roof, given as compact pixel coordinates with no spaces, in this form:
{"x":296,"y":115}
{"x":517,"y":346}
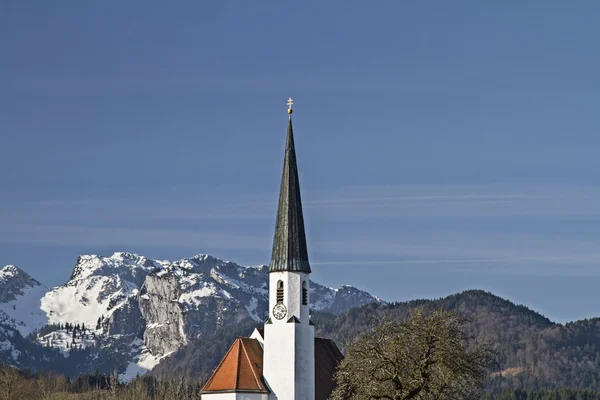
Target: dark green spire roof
{"x":289,"y":244}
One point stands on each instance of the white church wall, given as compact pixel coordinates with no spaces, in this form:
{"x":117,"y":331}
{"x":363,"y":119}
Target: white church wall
{"x":289,"y":363}
{"x":279,"y":358}
{"x":305,"y":362}
{"x":289,"y":346}
{"x":235,"y":396}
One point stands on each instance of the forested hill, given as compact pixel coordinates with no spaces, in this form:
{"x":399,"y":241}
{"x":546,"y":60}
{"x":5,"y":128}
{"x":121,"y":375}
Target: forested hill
{"x":493,"y":319}
{"x":534,"y":351}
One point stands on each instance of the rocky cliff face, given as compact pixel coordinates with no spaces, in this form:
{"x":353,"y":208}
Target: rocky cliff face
{"x":150,"y":308}
{"x":163,"y":314}
{"x":126,"y":320}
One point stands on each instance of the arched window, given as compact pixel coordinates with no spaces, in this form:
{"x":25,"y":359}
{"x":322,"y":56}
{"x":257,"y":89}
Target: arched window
{"x":280,"y":291}
{"x":304,"y":294}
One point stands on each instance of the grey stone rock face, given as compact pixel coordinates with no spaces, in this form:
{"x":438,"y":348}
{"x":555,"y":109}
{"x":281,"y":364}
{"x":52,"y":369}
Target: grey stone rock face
{"x":163,"y":315}
{"x":127,"y":320}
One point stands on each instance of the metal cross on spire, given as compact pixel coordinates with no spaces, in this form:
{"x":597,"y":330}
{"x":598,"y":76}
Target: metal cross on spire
{"x":289,"y":103}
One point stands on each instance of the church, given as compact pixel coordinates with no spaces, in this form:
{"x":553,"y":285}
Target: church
{"x":283,"y":361}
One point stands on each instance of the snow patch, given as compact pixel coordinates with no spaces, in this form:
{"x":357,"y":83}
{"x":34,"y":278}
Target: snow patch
{"x":84,"y":303}
{"x":24,"y":310}
{"x":141,"y":364}
{"x":193,"y":296}
{"x":251,"y":308}
{"x":7,"y":272}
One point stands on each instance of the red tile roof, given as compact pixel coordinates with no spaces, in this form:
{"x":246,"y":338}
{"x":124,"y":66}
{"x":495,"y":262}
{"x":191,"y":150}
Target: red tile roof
{"x":238,"y":373}
{"x":240,"y":370}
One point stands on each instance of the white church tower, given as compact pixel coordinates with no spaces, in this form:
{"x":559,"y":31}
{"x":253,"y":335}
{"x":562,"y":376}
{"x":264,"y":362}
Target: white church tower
{"x":289,"y":336}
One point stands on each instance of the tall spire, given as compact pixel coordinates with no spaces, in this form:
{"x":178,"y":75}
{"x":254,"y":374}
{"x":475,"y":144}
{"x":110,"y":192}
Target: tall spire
{"x":289,"y":244}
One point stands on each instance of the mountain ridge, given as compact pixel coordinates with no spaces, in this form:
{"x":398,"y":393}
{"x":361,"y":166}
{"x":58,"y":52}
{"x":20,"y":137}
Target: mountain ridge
{"x":150,"y":308}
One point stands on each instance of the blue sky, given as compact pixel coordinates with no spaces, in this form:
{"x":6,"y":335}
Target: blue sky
{"x":442,"y":146}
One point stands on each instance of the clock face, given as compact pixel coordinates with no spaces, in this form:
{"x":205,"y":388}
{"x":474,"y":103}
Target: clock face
{"x":279,"y":311}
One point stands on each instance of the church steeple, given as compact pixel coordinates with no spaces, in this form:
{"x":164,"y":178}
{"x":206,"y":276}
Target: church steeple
{"x":289,"y":244}
{"x":289,"y":358}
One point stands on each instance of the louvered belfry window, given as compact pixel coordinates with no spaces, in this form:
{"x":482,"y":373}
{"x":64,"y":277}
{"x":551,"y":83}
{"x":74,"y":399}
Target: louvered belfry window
{"x":280,"y":291}
{"x":304,"y":294}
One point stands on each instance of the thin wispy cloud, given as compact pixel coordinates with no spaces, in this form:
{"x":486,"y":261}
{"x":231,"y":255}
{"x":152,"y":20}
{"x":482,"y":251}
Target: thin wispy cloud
{"x":536,"y":266}
{"x":533,"y":270}
{"x":433,"y":198}
{"x":408,"y":262}
{"x":347,"y":203}
{"x":495,"y":236}
{"x":101,"y":236}
{"x":461,"y":200}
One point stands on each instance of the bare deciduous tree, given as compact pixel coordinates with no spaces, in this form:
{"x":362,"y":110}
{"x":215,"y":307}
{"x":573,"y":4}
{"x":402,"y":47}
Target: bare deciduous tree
{"x":426,"y":358}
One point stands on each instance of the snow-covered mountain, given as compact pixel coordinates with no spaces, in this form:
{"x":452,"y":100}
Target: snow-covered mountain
{"x":20,"y":314}
{"x":20,"y":296}
{"x":97,"y":286}
{"x":145,"y":308}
